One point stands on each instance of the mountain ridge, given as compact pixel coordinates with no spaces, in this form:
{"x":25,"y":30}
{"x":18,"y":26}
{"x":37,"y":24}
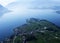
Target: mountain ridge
{"x":35,"y":31}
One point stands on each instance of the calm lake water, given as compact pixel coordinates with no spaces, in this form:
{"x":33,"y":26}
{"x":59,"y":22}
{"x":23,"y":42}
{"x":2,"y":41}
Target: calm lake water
{"x":17,"y":17}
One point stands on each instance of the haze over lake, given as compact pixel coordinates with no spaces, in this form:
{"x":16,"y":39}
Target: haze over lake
{"x":22,"y":10}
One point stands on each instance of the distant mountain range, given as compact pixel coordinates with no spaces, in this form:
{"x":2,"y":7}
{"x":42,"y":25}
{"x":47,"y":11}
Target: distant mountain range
{"x":56,"y":7}
{"x":3,"y":10}
{"x":17,"y":4}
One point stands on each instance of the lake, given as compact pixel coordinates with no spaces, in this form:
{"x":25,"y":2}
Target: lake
{"x":18,"y":16}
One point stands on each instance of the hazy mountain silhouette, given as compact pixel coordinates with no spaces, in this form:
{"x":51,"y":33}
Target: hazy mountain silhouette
{"x":56,"y":7}
{"x":3,"y":10}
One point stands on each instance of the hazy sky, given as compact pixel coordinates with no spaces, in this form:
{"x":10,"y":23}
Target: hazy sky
{"x":35,"y":6}
{"x":50,"y":2}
